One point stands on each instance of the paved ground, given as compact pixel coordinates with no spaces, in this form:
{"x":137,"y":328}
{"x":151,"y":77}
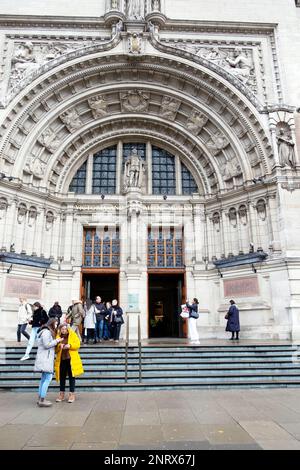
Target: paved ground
{"x":205,"y":419}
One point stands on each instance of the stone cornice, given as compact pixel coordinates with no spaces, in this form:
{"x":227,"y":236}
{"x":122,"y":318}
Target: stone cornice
{"x":220,"y":26}
{"x":51,"y":21}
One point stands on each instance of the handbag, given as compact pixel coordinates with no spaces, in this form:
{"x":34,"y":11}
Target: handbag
{"x":184,"y":311}
{"x":194,"y":314}
{"x":226,"y":316}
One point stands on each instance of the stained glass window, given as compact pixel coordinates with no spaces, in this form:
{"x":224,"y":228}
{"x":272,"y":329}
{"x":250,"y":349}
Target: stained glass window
{"x":78,"y":182}
{"x":101,"y":248}
{"x":163,"y":172}
{"x":189,"y":185}
{"x":104,"y":171}
{"x":165,"y":248}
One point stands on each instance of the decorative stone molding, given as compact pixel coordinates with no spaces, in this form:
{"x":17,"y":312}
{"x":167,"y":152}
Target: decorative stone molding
{"x":169,"y":108}
{"x":98,"y":105}
{"x":135,"y":101}
{"x":72,"y":120}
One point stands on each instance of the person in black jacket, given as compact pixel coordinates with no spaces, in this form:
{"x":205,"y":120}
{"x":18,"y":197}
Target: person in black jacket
{"x":115,"y":319}
{"x":39,"y":318}
{"x":55,"y":311}
{"x":100,"y":312}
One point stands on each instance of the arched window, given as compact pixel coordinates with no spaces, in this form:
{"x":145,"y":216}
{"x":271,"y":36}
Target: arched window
{"x":104,"y":171}
{"x":163,"y":172}
{"x":79,"y":181}
{"x":189,"y":185}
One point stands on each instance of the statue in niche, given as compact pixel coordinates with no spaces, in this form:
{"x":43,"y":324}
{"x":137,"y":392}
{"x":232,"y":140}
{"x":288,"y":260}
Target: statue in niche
{"x":232,"y":217}
{"x":243,"y":215}
{"x":72,"y":120}
{"x":22,"y":210}
{"x":98,"y":106}
{"x":261,"y":209}
{"x":32,"y":215}
{"x":134,"y":171}
{"x":240,"y":65}
{"x":155,"y":5}
{"x":3,"y":207}
{"x":196,"y":122}
{"x":286,"y":148}
{"x":169,"y":108}
{"x":49,"y":220}
{"x":114,"y":4}
{"x":49,"y":140}
{"x":135,"y":9}
{"x":216,"y":221}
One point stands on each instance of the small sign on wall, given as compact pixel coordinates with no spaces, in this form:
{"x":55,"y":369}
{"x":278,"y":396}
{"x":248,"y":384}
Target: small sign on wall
{"x":242,"y":287}
{"x":133,"y":302}
{"x":21,"y":287}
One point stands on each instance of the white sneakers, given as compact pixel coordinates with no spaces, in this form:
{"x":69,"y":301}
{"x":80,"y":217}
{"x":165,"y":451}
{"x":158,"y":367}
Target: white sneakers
{"x":24,"y":358}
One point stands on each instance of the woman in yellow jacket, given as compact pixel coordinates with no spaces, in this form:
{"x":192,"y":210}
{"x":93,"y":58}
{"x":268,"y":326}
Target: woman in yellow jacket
{"x":67,"y":362}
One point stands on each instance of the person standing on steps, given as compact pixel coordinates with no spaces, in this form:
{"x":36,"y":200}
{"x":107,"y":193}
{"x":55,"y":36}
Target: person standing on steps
{"x":233,"y":320}
{"x":193,"y":316}
{"x":44,"y":361}
{"x":24,"y":316}
{"x":67,"y":362}
{"x":115,"y":320}
{"x":39,"y":318}
{"x":100,"y":311}
{"x":76,"y":315}
{"x":55,"y":311}
{"x":90,"y":321}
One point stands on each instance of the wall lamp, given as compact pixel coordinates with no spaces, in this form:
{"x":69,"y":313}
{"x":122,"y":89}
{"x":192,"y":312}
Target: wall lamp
{"x":45,"y":274}
{"x":9,"y":269}
{"x":165,"y":197}
{"x":102,"y":196}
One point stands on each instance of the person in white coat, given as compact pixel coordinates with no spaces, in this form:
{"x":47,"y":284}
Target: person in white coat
{"x":193,"y":316}
{"x":24,"y":316}
{"x":90,"y":321}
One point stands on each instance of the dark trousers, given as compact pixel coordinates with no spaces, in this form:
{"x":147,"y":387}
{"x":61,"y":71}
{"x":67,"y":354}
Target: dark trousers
{"x":22,"y":330}
{"x":65,"y":370}
{"x":115,"y":329}
{"x":90,"y":334}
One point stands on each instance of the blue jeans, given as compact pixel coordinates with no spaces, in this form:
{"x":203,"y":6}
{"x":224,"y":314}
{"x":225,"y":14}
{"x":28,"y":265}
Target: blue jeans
{"x":32,"y":339}
{"x":44,"y":383}
{"x":99,"y":329}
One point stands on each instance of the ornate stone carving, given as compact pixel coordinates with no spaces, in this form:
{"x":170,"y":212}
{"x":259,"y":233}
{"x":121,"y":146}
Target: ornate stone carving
{"x":232,"y":216}
{"x":135,"y":101}
{"x":169,"y":108}
{"x":155,"y":5}
{"x":196,"y":122}
{"x":50,"y":140}
{"x":114,"y":4}
{"x":135,"y":44}
{"x":71,"y":119}
{"x":216,"y":220}
{"x":23,"y":62}
{"x":217,"y":142}
{"x":98,"y":105}
{"x":214,"y":55}
{"x":240,"y":65}
{"x":135,"y":9}
{"x":261,"y":209}
{"x":37,"y":168}
{"x":134,"y":171}
{"x":286,"y":146}
{"x":22,"y":211}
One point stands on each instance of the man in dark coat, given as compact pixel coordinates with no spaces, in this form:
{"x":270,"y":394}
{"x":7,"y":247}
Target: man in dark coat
{"x":233,"y":322}
{"x":55,"y":311}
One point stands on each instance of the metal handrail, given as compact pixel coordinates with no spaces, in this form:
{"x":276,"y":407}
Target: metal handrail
{"x":126,"y":349}
{"x":140,"y":349}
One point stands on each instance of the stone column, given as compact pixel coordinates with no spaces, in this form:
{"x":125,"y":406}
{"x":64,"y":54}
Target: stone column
{"x":68,"y":245}
{"x":199,"y":229}
{"x":89,"y":174}
{"x":39,"y":234}
{"x":5,"y":224}
{"x":178,"y":175}
{"x":149,"y":166}
{"x":119,"y":165}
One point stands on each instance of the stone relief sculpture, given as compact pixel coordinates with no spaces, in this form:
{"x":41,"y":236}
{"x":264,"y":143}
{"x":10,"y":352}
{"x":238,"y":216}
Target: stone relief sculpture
{"x":135,"y":44}
{"x":156,"y":5}
{"x":286,"y":147}
{"x":135,"y":9}
{"x":196,"y":122}
{"x":217,"y":142}
{"x":72,"y":120}
{"x":240,"y":65}
{"x":134,"y":171}
{"x":216,"y":221}
{"x":37,"y":167}
{"x":22,"y":211}
{"x":114,"y":4}
{"x":229,"y":169}
{"x":214,"y":55}
{"x":232,"y":216}
{"x":98,"y":105}
{"x":169,"y":108}
{"x":49,"y":140}
{"x":135,"y":100}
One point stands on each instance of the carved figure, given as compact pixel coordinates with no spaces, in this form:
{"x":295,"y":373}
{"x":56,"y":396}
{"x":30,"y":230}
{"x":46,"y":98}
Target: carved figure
{"x":49,"y":140}
{"x":196,"y":122}
{"x":286,"y":148}
{"x":135,"y":9}
{"x":240,"y":65}
{"x":169,"y":108}
{"x":98,"y":106}
{"x":134,"y":171}
{"x":72,"y":120}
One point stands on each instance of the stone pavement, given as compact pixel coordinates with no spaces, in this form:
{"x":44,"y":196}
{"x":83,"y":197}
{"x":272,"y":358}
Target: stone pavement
{"x":162,"y":420}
